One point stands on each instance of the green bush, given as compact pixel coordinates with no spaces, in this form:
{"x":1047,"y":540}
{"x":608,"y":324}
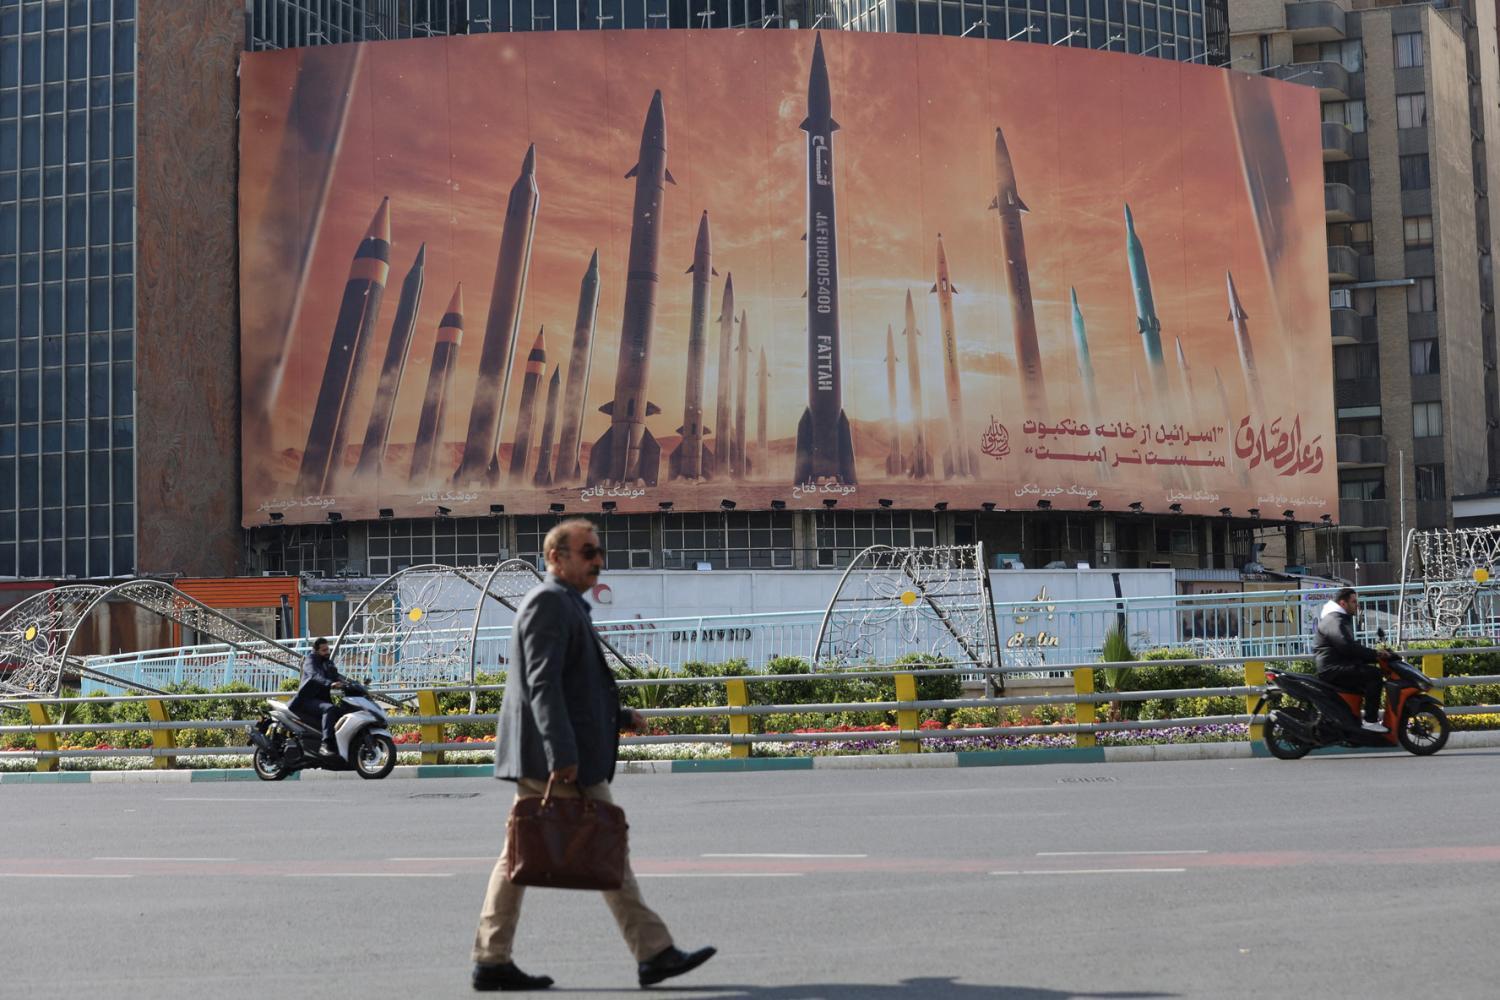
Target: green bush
{"x":1172,"y":677}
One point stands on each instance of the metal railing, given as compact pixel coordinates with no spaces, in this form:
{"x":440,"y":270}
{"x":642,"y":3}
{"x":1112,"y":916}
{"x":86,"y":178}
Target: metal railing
{"x":739,"y":710}
{"x":1034,"y":635}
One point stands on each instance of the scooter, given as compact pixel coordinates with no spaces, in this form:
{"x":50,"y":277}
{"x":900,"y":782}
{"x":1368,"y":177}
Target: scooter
{"x":285,"y":743}
{"x":1304,"y":713}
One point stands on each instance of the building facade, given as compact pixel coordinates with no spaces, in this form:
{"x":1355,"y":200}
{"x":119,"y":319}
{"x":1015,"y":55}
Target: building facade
{"x":1409,"y":102}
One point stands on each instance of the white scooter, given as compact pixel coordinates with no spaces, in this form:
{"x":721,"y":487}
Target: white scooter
{"x":285,"y":743}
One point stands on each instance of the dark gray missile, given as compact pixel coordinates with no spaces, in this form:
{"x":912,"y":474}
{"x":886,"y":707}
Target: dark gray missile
{"x":352,"y":332}
{"x":377,"y":432}
{"x":741,"y":398}
{"x":432,"y":423}
{"x":691,"y":459}
{"x":627,"y":452}
{"x":543,"y":475}
{"x":1145,"y":309}
{"x":724,"y":442}
{"x":536,"y":364}
{"x":579,"y":363}
{"x":480,"y":462}
{"x":1240,"y":319}
{"x":960,"y":459}
{"x":762,"y":452}
{"x":825,"y":447}
{"x":920,"y":466}
{"x":894,"y":463}
{"x":1009,"y":205}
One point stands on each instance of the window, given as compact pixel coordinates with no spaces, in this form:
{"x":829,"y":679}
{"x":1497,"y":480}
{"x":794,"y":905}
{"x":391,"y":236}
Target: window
{"x":1414,"y":173}
{"x":1355,"y":235}
{"x":1356,"y":361}
{"x":1430,"y":483}
{"x":397,"y":545}
{"x":1424,"y":356}
{"x":728,"y":540}
{"x":1426,"y":420}
{"x":1348,"y":54}
{"x":1360,"y":426}
{"x":1418,"y":231}
{"x":1366,"y":547}
{"x":1408,"y":49}
{"x":1350,"y":113}
{"x":1411,"y":111}
{"x":842,"y":534}
{"x":1362,"y":486}
{"x":1421,"y":296}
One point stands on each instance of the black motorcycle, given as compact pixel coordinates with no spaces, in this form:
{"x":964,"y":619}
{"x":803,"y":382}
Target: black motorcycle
{"x":285,"y":743}
{"x":1304,"y":713}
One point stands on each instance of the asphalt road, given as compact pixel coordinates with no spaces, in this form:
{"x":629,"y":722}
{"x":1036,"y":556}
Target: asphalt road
{"x":1344,"y":876}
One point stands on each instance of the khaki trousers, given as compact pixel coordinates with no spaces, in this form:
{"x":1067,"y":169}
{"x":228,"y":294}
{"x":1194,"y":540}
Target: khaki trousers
{"x":643,"y":930}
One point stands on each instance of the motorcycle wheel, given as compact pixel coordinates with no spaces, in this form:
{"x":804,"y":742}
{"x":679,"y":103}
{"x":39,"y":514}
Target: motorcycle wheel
{"x":268,"y":767}
{"x":1282,"y":744}
{"x":374,"y":755}
{"x":1424,"y":729}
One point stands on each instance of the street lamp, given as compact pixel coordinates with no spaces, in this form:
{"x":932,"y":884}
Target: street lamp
{"x":1030,"y":29}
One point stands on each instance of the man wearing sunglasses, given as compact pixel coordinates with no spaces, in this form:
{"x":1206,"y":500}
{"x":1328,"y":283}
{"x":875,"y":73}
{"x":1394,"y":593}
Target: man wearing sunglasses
{"x":560,"y":720}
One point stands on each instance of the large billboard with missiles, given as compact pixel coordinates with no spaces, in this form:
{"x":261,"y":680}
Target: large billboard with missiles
{"x":618,"y":269}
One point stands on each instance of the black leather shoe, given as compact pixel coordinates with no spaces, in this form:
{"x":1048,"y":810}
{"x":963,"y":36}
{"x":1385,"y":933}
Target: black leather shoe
{"x":672,"y":962}
{"x":505,"y":976}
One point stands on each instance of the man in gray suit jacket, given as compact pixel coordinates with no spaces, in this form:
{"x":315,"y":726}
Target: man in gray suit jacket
{"x":560,"y":720}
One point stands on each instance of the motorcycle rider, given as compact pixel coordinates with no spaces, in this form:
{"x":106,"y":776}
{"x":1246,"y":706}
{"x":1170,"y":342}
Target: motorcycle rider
{"x":1345,"y":663}
{"x":313,"y":701}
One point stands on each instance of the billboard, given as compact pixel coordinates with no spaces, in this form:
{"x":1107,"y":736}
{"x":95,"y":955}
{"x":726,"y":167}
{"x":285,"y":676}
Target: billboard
{"x":635,"y":268}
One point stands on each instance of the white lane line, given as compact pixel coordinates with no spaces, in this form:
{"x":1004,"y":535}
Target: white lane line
{"x":52,"y":875}
{"x":488,"y":857}
{"x":1081,"y":854}
{"x":369,"y":874}
{"x":224,"y":798}
{"x":783,"y":855}
{"x":718,"y":875}
{"x":1092,"y":871}
{"x":165,"y":859}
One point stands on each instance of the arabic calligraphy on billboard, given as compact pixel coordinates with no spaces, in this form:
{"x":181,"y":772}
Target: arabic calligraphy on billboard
{"x":631,"y":267}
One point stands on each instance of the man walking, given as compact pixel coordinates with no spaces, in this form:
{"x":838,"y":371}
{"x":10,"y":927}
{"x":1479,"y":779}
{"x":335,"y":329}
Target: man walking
{"x":561,"y":720}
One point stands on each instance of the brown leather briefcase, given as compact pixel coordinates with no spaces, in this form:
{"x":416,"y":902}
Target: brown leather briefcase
{"x":566,"y":843}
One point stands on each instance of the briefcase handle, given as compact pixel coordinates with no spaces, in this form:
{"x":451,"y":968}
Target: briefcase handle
{"x":588,"y":804}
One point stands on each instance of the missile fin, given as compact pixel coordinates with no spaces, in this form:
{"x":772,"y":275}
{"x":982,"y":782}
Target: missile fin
{"x":633,"y":171}
{"x":670,"y":180}
{"x":652,"y":409}
{"x":650,"y":459}
{"x":995,"y":203}
{"x":608,"y":409}
{"x":934,"y":289}
{"x":713,"y":270}
{"x":952,"y":288}
{"x":1021,"y":204}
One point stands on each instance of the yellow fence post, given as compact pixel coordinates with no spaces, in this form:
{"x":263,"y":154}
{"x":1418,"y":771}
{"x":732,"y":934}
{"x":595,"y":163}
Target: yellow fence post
{"x":1255,"y":676}
{"x":1084,"y":712}
{"x":161,"y":739}
{"x":432,"y":732}
{"x":44,"y":741}
{"x":907,"y":718}
{"x":739,"y":725}
{"x":1432,"y":666}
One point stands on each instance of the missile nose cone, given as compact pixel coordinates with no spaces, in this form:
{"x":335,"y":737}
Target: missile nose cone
{"x":1001,"y":149}
{"x":1073,"y":298}
{"x":1129,"y":220}
{"x":1236,"y":310}
{"x":539,"y":346}
{"x":818,"y":99}
{"x":703,"y":243}
{"x":528,"y":165}
{"x":594,"y":262}
{"x":380,"y":225}
{"x":456,"y":303}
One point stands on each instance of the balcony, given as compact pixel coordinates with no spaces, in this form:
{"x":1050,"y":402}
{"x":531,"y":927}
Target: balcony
{"x":1432,"y":513}
{"x":1338,"y":202}
{"x":1315,"y":21}
{"x":1363,"y":514}
{"x":1343,"y":264}
{"x":1338,"y":141}
{"x":1361,"y":449}
{"x":1348,"y":325}
{"x":1331,"y":78}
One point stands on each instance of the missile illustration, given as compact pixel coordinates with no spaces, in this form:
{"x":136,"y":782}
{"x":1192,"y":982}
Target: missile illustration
{"x":894,"y":464}
{"x":1238,"y":317}
{"x":741,"y":398}
{"x":579,"y":363}
{"x":1085,"y":363}
{"x":1145,"y":308}
{"x":825,"y":446}
{"x":543,"y":476}
{"x":536,"y":366}
{"x":627,"y":452}
{"x":1008,"y":204}
{"x":690,"y":456}
{"x":1185,"y":373}
{"x":724,"y":446}
{"x":391,"y":370}
{"x":920,"y":466}
{"x":352,"y":332}
{"x":960,"y":459}
{"x":431,"y":424}
{"x":761,"y":375}
{"x":480,"y":462}
{"x":1229,"y":421}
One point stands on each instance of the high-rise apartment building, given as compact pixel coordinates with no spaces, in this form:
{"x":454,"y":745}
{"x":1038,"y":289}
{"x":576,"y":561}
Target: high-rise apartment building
{"x":1409,"y":106}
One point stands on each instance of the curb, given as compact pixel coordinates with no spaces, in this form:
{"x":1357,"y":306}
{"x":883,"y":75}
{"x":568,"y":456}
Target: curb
{"x":853,"y":762}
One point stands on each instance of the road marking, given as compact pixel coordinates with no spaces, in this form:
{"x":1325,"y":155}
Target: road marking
{"x":369,"y":874}
{"x":165,"y":859}
{"x":1092,"y":871}
{"x":783,"y":855}
{"x":221,"y":798}
{"x":719,"y":874}
{"x":488,"y":857}
{"x":57,"y":875}
{"x":1079,"y":854}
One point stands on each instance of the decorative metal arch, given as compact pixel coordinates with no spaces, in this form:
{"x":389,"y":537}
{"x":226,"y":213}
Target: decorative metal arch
{"x":35,"y":635}
{"x":1452,"y":564}
{"x":910,"y":590}
{"x":415,"y":627}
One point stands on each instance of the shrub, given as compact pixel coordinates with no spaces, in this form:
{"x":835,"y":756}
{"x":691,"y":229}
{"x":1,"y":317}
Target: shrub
{"x":1171,"y":677}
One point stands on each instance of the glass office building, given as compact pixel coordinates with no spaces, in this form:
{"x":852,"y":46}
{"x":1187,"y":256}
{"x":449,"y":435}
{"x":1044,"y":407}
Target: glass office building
{"x":67,"y":287}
